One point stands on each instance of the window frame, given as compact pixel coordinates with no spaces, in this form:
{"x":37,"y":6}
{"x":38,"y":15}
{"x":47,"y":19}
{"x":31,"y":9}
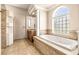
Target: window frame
{"x":63,"y":25}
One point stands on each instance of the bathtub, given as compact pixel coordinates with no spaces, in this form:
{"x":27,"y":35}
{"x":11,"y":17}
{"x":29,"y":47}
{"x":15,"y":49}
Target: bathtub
{"x":67,"y":46}
{"x":63,"y":42}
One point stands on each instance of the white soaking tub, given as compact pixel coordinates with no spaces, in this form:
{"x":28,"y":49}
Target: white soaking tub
{"x":63,"y":42}
{"x":65,"y":45}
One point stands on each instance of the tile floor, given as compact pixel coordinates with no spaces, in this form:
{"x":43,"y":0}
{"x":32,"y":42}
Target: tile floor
{"x":21,"y":47}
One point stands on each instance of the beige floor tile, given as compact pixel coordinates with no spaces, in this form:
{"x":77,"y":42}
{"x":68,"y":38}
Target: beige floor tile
{"x":21,"y":47}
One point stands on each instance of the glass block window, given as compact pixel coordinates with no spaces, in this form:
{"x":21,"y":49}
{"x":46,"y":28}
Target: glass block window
{"x":61,"y":21}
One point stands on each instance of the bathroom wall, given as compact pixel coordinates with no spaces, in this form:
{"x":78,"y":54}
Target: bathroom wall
{"x":74,"y":17}
{"x":19,"y":21}
{"x":43,"y":21}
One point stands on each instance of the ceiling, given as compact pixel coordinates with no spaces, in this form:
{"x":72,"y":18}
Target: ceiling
{"x":22,"y":6}
{"x":26,"y":6}
{"x":46,"y":6}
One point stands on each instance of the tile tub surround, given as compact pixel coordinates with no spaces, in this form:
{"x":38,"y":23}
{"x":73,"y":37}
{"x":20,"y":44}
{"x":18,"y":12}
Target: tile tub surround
{"x":42,"y":32}
{"x":45,"y":48}
{"x":48,"y":48}
{"x":71,"y":35}
{"x":21,"y":47}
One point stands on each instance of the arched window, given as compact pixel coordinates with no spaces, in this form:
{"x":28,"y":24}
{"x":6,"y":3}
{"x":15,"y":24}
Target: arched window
{"x":61,"y":20}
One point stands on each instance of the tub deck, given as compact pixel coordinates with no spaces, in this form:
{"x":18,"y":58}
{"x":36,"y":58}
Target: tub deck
{"x":48,"y":48}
